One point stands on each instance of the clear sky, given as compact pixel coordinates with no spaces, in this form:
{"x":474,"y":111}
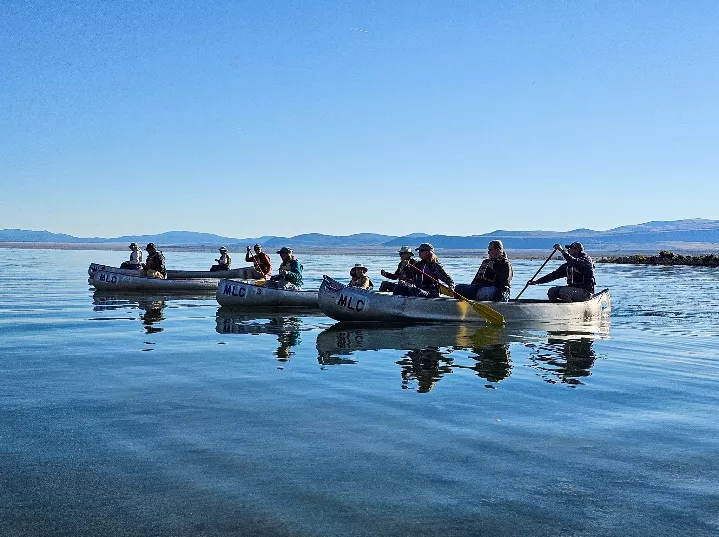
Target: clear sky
{"x":280,"y":117}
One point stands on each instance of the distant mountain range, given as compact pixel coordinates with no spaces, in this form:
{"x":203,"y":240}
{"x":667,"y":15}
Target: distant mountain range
{"x":679,"y":234}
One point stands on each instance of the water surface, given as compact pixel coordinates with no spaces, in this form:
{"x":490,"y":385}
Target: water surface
{"x":167,"y":415}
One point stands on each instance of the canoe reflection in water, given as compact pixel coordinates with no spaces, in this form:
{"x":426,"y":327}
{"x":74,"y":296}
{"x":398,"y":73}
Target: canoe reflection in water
{"x":152,"y":307}
{"x":288,"y":329}
{"x":566,"y":357}
{"x":430,"y":349}
{"x":433,"y":351}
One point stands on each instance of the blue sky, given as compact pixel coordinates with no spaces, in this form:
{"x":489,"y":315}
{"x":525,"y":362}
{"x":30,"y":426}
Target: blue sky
{"x":249,"y":118}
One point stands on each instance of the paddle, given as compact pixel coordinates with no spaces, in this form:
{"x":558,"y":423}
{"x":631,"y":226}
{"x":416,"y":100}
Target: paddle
{"x":535,"y":274}
{"x":490,"y":315}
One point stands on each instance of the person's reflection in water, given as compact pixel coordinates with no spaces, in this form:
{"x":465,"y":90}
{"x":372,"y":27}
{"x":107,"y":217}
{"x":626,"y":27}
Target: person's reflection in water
{"x":580,"y":358}
{"x":566,"y":357}
{"x":493,"y":363}
{"x":287,"y":329}
{"x":153,"y":314}
{"x":491,"y":354}
{"x":288,"y":336}
{"x":426,"y":366}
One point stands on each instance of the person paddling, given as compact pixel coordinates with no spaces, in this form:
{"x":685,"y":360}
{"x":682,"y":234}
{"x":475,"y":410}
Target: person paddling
{"x":260,"y":260}
{"x":290,"y":272}
{"x":579,"y":271}
{"x":404,"y":273}
{"x":428,"y":271}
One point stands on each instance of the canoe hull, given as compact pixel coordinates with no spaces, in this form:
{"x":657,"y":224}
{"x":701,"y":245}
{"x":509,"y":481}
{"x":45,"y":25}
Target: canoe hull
{"x":113,"y":281}
{"x":351,"y":304}
{"x":239,"y":294}
{"x":244,"y":273}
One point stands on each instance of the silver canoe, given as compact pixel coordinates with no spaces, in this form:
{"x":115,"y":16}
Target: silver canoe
{"x":238,"y":294}
{"x":243,"y":273}
{"x":115,"y":281}
{"x":352,"y":304}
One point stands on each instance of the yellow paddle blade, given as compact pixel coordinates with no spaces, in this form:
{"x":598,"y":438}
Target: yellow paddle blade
{"x":488,"y":313}
{"x":260,"y":283}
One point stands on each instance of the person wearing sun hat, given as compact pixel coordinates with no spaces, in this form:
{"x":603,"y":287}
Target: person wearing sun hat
{"x":428,"y":271}
{"x":224,"y":262}
{"x":135,"y":258}
{"x":290,"y":272}
{"x":359,"y":277}
{"x":579,"y":271}
{"x":404,"y":273}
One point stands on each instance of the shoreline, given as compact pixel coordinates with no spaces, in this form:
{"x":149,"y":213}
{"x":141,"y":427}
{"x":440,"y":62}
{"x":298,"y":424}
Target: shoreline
{"x":638,"y":257}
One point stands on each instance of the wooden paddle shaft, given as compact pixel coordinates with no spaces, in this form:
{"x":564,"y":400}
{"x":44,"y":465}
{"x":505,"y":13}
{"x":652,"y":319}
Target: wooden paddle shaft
{"x":535,"y":274}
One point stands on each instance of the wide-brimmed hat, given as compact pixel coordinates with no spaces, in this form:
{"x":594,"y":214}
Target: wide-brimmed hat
{"x":578,"y":245}
{"x":132,"y":246}
{"x":406,"y":250}
{"x":150,"y":245}
{"x":358,"y":266}
{"x":284,"y":250}
{"x":425,"y":246}
{"x":223,"y":249}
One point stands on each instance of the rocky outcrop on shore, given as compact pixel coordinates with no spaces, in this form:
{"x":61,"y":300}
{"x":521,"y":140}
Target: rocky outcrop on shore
{"x":664,"y":258}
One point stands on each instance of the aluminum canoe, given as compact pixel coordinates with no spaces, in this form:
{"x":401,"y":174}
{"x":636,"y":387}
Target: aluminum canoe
{"x":243,"y":273}
{"x":239,"y":294}
{"x":114,"y":281}
{"x":352,"y":304}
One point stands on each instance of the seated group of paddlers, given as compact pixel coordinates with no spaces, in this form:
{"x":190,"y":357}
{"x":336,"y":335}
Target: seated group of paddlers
{"x":422,"y":277}
{"x":414,"y":277}
{"x":289,"y":274}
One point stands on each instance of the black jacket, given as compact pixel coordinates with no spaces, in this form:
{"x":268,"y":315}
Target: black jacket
{"x":579,"y":272}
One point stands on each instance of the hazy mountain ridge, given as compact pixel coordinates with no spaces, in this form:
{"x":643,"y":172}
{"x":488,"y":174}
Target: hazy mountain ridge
{"x":648,"y":236}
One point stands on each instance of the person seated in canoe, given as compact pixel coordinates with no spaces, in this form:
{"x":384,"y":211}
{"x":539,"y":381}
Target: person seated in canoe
{"x":154,"y":267}
{"x":135,"y":258}
{"x":261,"y":262}
{"x":359,"y":277}
{"x":290,"y":272}
{"x":404,"y":272}
{"x":224,"y":262}
{"x":493,"y":278}
{"x":428,"y":271}
{"x":579,"y":271}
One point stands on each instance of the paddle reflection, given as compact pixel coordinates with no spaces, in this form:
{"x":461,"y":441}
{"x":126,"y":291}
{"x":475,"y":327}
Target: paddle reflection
{"x":288,"y":329}
{"x":152,"y":307}
{"x":566,"y":357}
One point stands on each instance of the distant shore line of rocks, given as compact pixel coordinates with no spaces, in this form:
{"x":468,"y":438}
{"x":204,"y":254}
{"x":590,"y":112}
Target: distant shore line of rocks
{"x":664,"y":258}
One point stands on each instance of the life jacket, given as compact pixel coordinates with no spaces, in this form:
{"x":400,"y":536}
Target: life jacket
{"x":136,"y":257}
{"x":487,"y":274}
{"x":225,"y":259}
{"x":156,"y":262}
{"x":581,"y":273}
{"x":293,"y":271}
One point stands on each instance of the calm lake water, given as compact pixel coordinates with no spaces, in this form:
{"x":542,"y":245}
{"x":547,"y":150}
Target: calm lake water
{"x":150,"y":415}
